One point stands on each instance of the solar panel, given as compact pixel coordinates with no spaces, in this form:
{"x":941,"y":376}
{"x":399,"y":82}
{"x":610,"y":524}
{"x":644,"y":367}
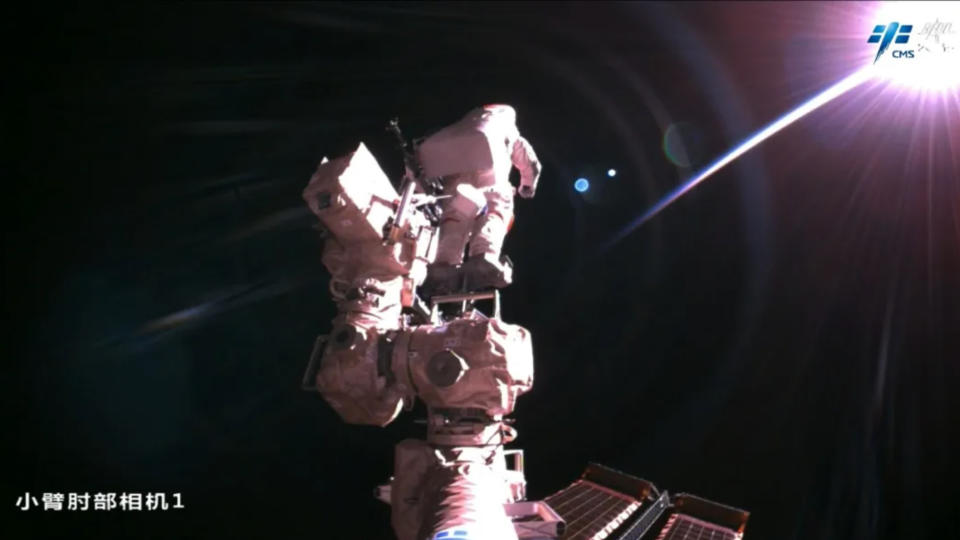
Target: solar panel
{"x":684,"y":527}
{"x":608,"y":504}
{"x":591,"y":511}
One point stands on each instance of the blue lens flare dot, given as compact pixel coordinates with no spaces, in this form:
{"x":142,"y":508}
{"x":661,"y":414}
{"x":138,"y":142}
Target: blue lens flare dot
{"x":581,"y":185}
{"x":611,"y":172}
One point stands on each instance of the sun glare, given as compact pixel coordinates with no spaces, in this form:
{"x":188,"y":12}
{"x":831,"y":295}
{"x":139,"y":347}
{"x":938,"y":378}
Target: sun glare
{"x":916,"y":44}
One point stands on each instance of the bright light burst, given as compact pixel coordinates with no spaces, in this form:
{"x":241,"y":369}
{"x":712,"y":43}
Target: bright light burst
{"x":930,"y":59}
{"x":843,"y":86}
{"x":932,"y":65}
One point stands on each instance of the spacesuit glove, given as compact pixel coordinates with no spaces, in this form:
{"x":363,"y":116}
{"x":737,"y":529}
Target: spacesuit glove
{"x":527,"y":192}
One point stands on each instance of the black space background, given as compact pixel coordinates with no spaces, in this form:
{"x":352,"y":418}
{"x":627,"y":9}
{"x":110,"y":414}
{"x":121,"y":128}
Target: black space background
{"x":734,"y":348}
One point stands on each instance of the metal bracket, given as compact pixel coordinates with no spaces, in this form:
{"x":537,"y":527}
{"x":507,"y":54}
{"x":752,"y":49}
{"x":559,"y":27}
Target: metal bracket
{"x":467,"y":299}
{"x":424,"y":314}
{"x":383,"y":492}
{"x":648,"y":518}
{"x":535,"y":520}
{"x":517,"y":454}
{"x":309,"y":382}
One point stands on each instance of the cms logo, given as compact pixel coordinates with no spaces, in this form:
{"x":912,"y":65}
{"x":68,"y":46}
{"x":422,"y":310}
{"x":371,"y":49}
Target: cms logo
{"x":891,"y":33}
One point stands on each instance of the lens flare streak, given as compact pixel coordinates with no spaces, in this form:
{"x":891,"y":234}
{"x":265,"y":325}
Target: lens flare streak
{"x":843,"y":86}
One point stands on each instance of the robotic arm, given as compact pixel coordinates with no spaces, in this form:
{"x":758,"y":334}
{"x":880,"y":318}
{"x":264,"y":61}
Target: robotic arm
{"x":468,"y":368}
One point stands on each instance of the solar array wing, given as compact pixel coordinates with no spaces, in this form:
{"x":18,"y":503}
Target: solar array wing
{"x":684,"y":527}
{"x":591,"y":511}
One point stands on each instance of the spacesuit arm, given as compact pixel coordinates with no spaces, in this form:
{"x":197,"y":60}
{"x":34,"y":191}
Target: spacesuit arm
{"x":525,"y":160}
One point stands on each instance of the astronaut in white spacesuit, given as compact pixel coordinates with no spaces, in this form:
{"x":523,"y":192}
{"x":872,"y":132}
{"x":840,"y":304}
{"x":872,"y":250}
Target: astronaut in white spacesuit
{"x":474,"y":158}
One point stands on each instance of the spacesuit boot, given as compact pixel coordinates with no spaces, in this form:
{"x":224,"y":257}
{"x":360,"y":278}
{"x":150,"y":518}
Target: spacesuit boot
{"x":486,"y":271}
{"x":485,"y":268}
{"x":442,"y":278}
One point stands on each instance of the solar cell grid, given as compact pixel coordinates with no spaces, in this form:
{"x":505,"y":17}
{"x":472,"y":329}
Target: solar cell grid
{"x":591,"y":511}
{"x":682,"y":527}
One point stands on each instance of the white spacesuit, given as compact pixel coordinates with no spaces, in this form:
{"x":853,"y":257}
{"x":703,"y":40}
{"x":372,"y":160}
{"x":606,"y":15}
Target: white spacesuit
{"x":474,"y":157}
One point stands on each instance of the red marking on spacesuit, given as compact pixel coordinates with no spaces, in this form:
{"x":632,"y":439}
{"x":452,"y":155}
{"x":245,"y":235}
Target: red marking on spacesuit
{"x":510,"y":225}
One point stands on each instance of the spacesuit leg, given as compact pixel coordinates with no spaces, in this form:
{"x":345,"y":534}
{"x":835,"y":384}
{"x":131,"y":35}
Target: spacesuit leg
{"x":459,"y":213}
{"x":485,"y":268}
{"x":455,"y":229}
